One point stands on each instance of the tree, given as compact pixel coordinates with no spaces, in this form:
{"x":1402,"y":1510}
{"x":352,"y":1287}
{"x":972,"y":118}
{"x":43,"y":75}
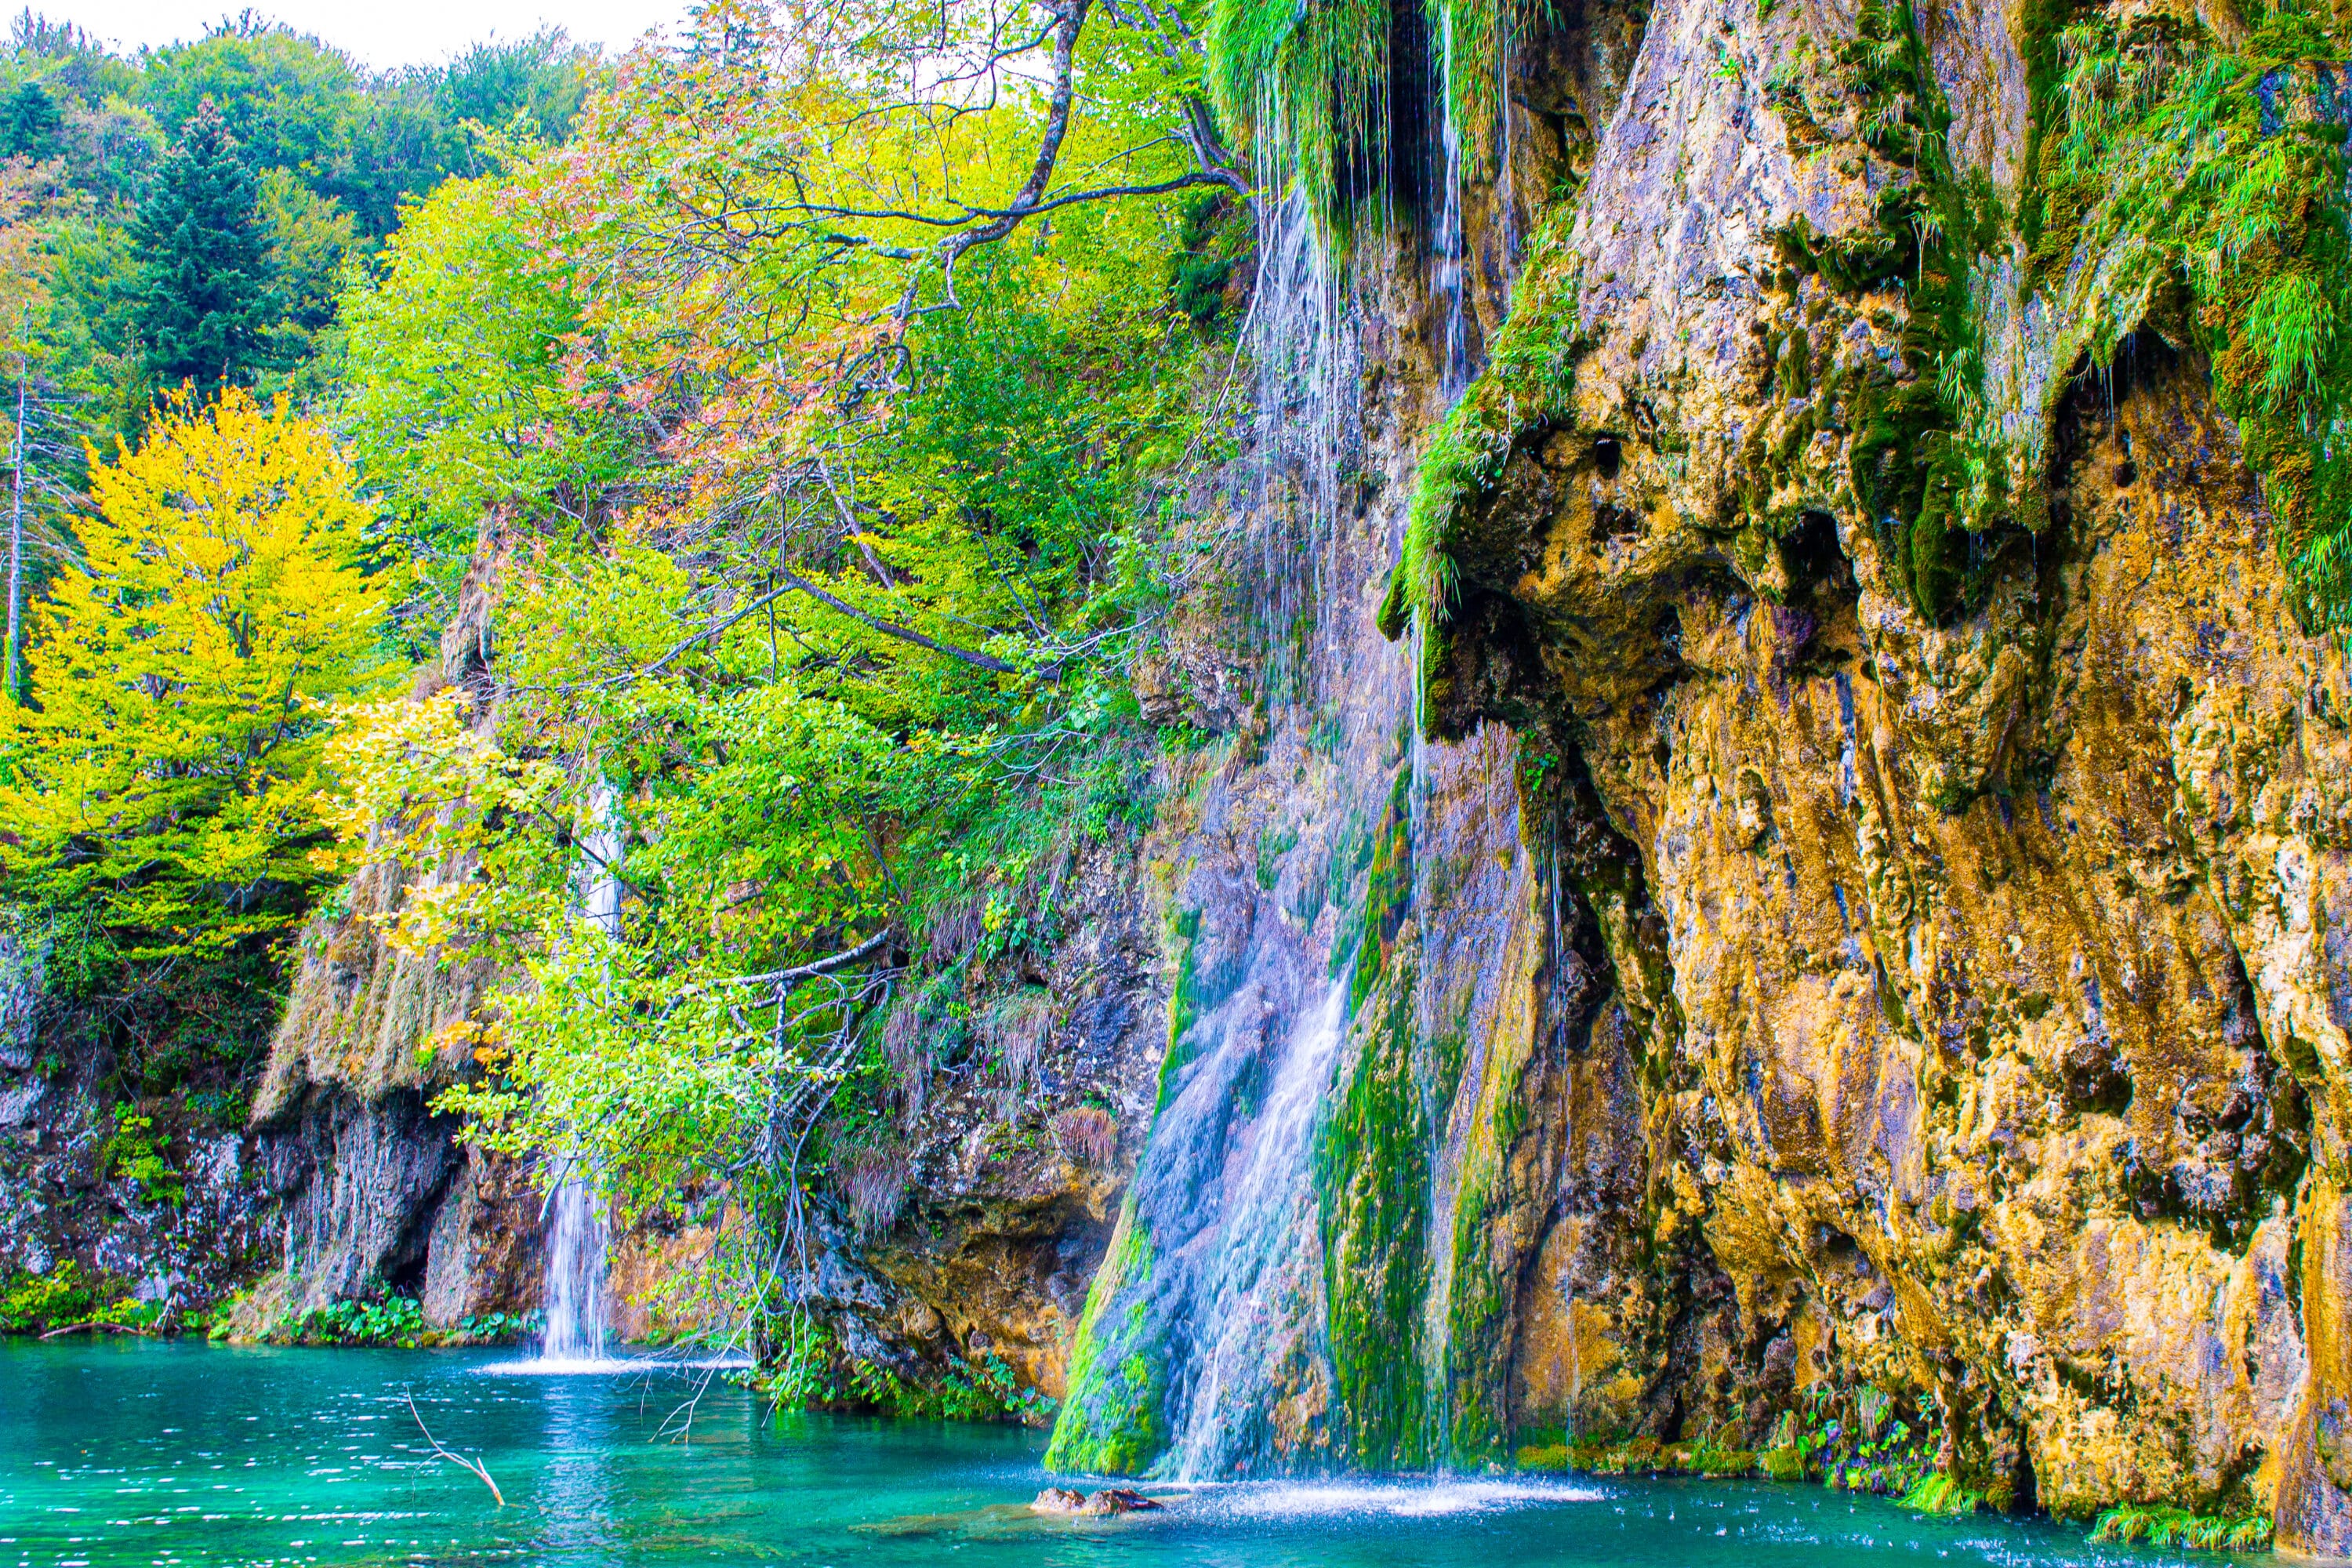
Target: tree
{"x":23,"y":269}
{"x":30,"y":125}
{"x":206,"y":302}
{"x":167,"y":779}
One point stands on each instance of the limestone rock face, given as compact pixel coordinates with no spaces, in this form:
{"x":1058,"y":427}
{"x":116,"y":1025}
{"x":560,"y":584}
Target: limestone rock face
{"x":1973,"y":986}
{"x":377,"y":1192}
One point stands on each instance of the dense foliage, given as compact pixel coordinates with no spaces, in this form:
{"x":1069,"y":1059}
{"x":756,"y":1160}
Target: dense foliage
{"x":182,"y":661}
{"x":819,"y":570}
{"x":797,"y":409}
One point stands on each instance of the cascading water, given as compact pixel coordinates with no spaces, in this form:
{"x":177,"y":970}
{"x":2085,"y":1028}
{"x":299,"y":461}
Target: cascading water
{"x":577,"y":1317}
{"x":1209,"y":1309}
{"x":1249,"y":1281}
{"x":1293,"y":1285}
{"x":575,"y":1275}
{"x":1448,"y":244}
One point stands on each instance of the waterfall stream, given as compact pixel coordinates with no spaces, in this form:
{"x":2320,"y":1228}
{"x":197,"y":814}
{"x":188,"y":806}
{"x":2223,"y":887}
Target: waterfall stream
{"x":578,"y":1320}
{"x":576,"y":1315}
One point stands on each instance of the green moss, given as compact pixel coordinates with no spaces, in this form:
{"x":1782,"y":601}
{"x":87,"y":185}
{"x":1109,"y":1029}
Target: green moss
{"x":1366,"y":937}
{"x":1526,"y":390}
{"x":1183,"y":1003}
{"x":1372,"y":1174}
{"x":1923,"y":463}
{"x":1111,"y":1421}
{"x":2201,"y":190}
{"x":1615,"y":1454}
{"x":1308,"y":77}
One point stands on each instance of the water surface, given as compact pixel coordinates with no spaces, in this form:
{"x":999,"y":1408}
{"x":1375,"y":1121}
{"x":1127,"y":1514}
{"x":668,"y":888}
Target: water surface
{"x":121,"y":1453}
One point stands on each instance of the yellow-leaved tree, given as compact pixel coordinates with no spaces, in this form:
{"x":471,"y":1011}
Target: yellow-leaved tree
{"x":163,"y":788}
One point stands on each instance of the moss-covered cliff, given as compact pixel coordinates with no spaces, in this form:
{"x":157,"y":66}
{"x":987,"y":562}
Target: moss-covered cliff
{"x":1899,"y":564}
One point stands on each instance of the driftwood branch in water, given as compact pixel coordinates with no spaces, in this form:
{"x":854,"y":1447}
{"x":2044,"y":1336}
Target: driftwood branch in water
{"x":476,"y":1466}
{"x":98,"y":1328}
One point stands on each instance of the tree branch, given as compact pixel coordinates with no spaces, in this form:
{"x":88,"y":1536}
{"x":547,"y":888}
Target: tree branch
{"x":825,"y":965}
{"x":892,"y":628}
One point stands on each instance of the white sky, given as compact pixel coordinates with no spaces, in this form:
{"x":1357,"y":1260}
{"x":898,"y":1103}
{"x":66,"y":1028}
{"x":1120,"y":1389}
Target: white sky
{"x":379,"y":33}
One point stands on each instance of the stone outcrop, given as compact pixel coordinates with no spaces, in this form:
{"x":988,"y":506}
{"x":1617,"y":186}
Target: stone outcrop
{"x":1972,"y":981}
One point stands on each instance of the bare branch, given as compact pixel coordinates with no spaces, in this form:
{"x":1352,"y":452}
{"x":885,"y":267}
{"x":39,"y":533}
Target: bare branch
{"x":825,"y":965}
{"x":892,"y":628}
{"x":476,"y":1466}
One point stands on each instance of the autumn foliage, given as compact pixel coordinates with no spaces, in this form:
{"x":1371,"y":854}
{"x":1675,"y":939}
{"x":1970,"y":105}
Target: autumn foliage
{"x":183,"y":669}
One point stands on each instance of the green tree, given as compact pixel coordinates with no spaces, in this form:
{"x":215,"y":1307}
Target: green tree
{"x":30,"y":124}
{"x":288,"y":100}
{"x":207,"y":303}
{"x":166,"y":783}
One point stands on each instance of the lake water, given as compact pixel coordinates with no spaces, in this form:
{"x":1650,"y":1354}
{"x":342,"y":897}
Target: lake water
{"x":120,"y":1453}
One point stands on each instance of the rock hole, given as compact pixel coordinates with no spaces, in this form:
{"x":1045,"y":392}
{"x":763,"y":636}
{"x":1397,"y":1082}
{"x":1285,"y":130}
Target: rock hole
{"x":1813,"y":559}
{"x":1608,"y":457}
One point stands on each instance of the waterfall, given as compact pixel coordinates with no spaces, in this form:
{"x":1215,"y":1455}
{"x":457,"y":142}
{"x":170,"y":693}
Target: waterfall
{"x":575,"y":1274}
{"x":1315,"y":1132}
{"x":1448,"y":244}
{"x":1247,"y":1282}
{"x":577,"y":1321}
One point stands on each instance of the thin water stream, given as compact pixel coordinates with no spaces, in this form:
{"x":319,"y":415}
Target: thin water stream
{"x":121,"y":1453}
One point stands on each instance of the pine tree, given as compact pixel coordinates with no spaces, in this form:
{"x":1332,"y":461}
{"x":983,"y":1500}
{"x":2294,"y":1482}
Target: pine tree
{"x":204,"y":306}
{"x":30,"y":125}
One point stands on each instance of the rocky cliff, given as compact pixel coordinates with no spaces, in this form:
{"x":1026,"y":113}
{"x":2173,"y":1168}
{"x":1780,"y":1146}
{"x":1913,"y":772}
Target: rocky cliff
{"x":1847,"y":931}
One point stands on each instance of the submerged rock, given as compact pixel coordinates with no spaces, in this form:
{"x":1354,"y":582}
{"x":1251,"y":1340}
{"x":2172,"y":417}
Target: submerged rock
{"x":1110,"y":1503}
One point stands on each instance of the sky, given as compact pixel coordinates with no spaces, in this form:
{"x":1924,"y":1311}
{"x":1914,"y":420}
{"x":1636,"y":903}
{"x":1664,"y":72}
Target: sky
{"x":379,"y":33}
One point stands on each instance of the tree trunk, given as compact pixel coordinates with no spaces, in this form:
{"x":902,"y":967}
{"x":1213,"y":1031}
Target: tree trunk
{"x":15,"y":653}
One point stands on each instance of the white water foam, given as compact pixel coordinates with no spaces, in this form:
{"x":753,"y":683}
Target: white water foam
{"x":610,"y":1366}
{"x":1391,"y":1500}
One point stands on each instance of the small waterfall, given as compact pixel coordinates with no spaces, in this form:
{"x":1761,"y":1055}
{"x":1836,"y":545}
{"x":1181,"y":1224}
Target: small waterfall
{"x":1448,"y":244}
{"x":1300,"y":337}
{"x":575,"y":1274}
{"x":1244,"y":1301}
{"x":577,"y":1319}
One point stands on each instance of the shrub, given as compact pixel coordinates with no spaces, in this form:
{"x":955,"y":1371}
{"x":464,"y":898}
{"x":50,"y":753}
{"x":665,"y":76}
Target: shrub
{"x":2176,"y":1527}
{"x":396,"y":1320}
{"x":31,"y":1303}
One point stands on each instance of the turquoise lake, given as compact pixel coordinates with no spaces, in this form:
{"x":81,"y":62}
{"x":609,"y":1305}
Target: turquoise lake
{"x":121,"y":1453}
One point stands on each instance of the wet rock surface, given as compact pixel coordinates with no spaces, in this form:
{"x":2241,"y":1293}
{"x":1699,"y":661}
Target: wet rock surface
{"x":1109,"y":1502}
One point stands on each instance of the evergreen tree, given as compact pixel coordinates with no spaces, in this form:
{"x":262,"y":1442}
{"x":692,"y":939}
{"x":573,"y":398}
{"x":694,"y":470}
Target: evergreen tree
{"x":30,"y":125}
{"x":204,"y":306}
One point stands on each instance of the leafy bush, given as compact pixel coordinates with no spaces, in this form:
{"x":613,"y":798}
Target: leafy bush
{"x":395,"y":1320}
{"x":2176,"y":1527}
{"x":31,"y":1303}
{"x":497,"y":1328}
{"x":1940,"y":1494}
{"x":135,"y":1150}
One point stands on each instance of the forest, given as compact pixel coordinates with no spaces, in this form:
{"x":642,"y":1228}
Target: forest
{"x":821,"y":425}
